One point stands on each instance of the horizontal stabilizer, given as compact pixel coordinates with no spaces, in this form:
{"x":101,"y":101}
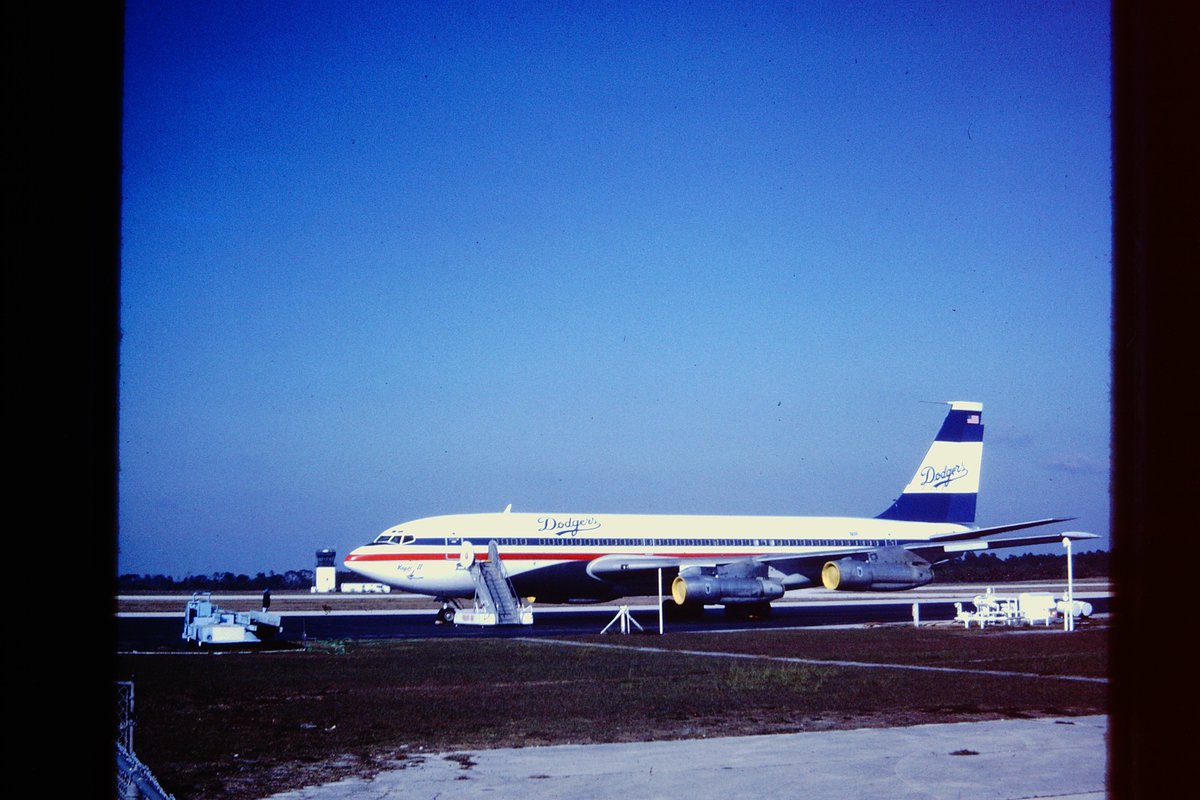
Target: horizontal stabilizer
{"x":945,"y":549}
{"x":975,"y":533}
{"x":1036,"y":538}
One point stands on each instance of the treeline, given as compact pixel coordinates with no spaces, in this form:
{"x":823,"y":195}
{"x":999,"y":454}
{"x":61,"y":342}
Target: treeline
{"x":985,"y":567}
{"x":292,"y":580}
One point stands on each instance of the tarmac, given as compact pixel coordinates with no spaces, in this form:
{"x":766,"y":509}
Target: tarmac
{"x":1060,"y":757}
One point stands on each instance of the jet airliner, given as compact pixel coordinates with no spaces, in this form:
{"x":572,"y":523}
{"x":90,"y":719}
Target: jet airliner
{"x":740,"y":562}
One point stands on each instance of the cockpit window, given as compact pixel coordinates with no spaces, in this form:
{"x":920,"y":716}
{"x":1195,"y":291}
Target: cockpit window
{"x":392,"y":538}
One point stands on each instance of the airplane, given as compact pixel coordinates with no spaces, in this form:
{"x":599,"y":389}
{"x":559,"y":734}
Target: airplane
{"x":740,"y":562}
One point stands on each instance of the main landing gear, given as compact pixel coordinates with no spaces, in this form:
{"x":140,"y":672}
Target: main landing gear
{"x":691,"y":612}
{"x":688,"y":612}
{"x":760,"y":610}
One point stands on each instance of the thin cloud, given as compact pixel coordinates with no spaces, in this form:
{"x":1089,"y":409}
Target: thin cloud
{"x":1078,"y":465}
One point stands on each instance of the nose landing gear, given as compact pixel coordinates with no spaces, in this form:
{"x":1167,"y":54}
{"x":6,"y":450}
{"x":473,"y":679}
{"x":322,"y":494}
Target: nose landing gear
{"x":445,"y":614}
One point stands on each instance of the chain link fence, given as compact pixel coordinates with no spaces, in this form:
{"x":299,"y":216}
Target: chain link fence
{"x":134,"y":779}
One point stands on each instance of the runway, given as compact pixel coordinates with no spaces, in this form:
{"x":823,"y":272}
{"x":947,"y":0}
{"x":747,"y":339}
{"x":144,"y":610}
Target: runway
{"x":356,"y":617}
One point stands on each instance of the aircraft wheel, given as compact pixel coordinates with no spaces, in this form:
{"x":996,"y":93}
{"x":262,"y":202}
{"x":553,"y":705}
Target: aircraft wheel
{"x":445,"y":615}
{"x":692,"y":611}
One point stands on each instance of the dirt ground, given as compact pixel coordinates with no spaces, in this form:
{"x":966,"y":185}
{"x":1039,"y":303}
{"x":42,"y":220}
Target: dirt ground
{"x":245,"y":725}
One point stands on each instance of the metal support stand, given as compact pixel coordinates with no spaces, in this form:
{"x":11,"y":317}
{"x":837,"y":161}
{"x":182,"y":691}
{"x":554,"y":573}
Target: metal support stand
{"x":626,"y":620}
{"x":1069,"y":617}
{"x":916,"y":615}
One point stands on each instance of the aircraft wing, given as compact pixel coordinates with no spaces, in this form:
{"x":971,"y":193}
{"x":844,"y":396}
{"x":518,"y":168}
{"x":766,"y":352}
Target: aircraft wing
{"x":616,"y":566}
{"x":802,"y":570}
{"x":613,"y":567}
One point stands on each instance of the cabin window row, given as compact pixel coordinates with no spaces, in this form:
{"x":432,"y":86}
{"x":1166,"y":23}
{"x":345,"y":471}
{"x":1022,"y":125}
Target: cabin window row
{"x":566,"y":541}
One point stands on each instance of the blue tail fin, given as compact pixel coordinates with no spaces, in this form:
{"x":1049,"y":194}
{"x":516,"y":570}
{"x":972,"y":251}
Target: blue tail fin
{"x":946,"y":484}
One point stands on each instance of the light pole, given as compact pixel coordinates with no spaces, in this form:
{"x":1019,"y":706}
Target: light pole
{"x":660,"y":603}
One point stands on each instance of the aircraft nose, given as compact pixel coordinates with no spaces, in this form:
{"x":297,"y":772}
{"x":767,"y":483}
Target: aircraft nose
{"x":356,"y":560}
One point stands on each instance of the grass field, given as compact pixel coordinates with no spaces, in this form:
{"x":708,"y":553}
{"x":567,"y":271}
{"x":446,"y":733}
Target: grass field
{"x":248,"y":724}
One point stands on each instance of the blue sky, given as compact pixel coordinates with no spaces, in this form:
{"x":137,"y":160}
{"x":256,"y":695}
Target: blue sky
{"x":388,"y":260}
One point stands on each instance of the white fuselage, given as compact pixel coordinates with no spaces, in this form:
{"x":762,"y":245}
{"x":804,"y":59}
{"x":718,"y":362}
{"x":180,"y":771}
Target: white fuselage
{"x":549,"y":555}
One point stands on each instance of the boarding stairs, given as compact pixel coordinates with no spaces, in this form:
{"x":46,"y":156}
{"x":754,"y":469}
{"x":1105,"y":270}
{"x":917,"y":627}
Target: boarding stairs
{"x":496,"y":602}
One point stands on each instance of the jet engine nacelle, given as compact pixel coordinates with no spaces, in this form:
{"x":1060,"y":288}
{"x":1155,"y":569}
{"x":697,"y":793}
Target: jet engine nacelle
{"x":727,"y":585}
{"x":884,"y":570}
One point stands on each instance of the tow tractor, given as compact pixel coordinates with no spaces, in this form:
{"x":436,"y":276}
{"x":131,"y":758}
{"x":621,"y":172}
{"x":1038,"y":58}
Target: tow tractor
{"x":205,"y":625}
